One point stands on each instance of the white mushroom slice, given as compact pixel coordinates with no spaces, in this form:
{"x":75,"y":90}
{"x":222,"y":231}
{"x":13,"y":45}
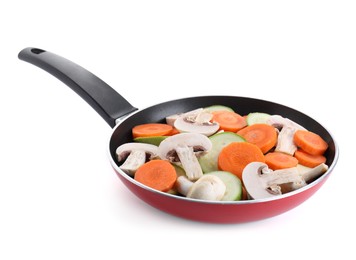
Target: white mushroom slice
{"x":196,"y":121}
{"x":185,"y":126}
{"x":191,"y":115}
{"x":203,"y":117}
{"x":287,"y":127}
{"x":189,"y":161}
{"x":133,"y":162}
{"x":285,"y":143}
{"x":287,"y":179}
{"x":208,"y":187}
{"x":254,"y":180}
{"x":315,"y":172}
{"x":280,"y":122}
{"x":172,"y":118}
{"x":184,"y":148}
{"x":135,"y":155}
{"x":261,"y":182}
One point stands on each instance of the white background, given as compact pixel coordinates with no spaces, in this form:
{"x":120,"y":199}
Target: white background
{"x":59,"y":197}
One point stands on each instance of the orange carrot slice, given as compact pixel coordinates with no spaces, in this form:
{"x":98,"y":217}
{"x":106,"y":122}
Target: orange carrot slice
{"x":278,"y":160}
{"x":235,"y":156}
{"x":157,"y":174}
{"x":229,"y":121}
{"x":174,"y":131}
{"x":310,"y":142}
{"x":151,"y":129}
{"x":308,"y":159}
{"x":262,"y":135}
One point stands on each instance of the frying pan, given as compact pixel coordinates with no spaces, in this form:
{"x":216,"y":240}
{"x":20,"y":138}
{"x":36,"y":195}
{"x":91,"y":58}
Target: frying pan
{"x":122,"y":116}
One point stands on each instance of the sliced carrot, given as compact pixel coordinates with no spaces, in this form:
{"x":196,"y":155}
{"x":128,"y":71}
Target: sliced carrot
{"x":308,"y":159}
{"x":151,"y":129}
{"x":157,"y":174}
{"x":278,"y":160}
{"x":229,"y":121}
{"x":262,"y":135}
{"x":174,"y":131}
{"x":235,"y":156}
{"x":310,"y":142}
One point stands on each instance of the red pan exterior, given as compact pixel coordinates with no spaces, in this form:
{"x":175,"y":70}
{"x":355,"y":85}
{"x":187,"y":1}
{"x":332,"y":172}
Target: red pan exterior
{"x":224,"y":213}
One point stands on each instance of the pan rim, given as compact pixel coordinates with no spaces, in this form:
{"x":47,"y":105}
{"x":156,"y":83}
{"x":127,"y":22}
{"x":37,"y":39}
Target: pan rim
{"x":242,"y":202}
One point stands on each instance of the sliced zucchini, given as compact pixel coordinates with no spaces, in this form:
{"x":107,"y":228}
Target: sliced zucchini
{"x":233,"y":185}
{"x":218,"y":108}
{"x":209,"y":161}
{"x":179,"y":170}
{"x":155,"y":140}
{"x":257,"y":118}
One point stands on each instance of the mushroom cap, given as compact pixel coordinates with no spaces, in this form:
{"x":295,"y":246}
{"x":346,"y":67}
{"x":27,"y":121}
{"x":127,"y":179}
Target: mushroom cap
{"x":255,"y":185}
{"x":125,"y":149}
{"x":207,"y":187}
{"x":184,"y":125}
{"x":196,"y":121}
{"x":200,"y":143}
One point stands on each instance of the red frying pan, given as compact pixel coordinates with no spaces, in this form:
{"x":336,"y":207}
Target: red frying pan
{"x":122,"y":117}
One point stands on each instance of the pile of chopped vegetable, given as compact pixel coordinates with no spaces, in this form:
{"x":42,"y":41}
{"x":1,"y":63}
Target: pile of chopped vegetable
{"x":214,"y":153}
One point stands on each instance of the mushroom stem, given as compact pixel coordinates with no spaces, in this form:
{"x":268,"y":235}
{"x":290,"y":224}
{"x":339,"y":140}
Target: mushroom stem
{"x":189,"y":162}
{"x":133,"y":162}
{"x":183,"y":185}
{"x":279,"y":177}
{"x":185,"y":148}
{"x":285,"y":142}
{"x":315,"y":172}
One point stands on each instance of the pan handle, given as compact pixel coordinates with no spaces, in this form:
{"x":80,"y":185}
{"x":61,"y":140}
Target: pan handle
{"x":105,"y":100}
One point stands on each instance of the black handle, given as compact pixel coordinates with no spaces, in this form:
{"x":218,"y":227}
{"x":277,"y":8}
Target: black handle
{"x":105,"y":100}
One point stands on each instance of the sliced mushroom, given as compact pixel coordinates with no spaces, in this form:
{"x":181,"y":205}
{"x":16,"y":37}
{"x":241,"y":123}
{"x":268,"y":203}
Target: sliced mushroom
{"x":280,"y":122}
{"x":261,"y":182}
{"x":207,"y":187}
{"x":184,"y":148}
{"x":135,"y":155}
{"x":287,"y":127}
{"x":314,"y":173}
{"x":285,"y":143}
{"x":196,"y":121}
{"x":172,"y":118}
